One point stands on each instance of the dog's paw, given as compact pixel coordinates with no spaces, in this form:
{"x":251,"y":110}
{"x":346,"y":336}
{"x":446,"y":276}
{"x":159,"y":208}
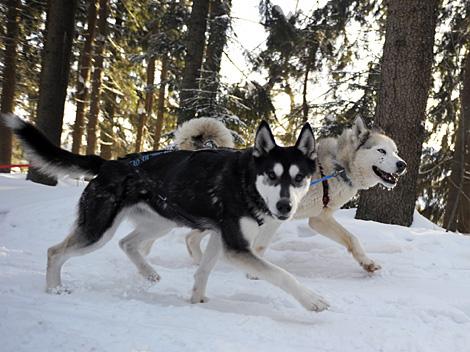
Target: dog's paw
{"x":59,"y":290}
{"x":370,"y":266}
{"x":154,"y":277}
{"x":151,"y":276}
{"x":251,"y":277}
{"x":195,"y":298}
{"x":312,"y":301}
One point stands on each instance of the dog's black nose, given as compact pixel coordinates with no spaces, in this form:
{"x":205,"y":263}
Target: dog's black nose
{"x":284,"y":206}
{"x":401,"y":166}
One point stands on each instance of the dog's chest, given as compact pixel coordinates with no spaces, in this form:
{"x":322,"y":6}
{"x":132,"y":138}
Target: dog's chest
{"x":311,"y":204}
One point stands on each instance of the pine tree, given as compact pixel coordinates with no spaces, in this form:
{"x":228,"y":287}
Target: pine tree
{"x":210,"y":78}
{"x":457,"y":211}
{"x":405,"y":82}
{"x":161,"y":102}
{"x":54,"y":75}
{"x":100,"y":43}
{"x":81,"y":95}
{"x":7,"y":103}
{"x":148,"y":104}
{"x":195,"y":44}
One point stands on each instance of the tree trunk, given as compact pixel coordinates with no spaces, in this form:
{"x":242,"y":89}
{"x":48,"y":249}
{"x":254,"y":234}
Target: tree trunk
{"x":97,"y":74}
{"x":161,"y":103}
{"x":83,"y":78}
{"x":148,"y":105}
{"x":456,"y":216}
{"x":405,"y":82}
{"x":308,"y":67}
{"x":7,"y":103}
{"x":219,"y":22}
{"x":195,"y":43}
{"x":54,"y":75}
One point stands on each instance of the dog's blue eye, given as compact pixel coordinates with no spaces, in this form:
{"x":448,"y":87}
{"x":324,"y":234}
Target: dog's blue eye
{"x":272,"y":175}
{"x":382,"y":151}
{"x":299,"y":178}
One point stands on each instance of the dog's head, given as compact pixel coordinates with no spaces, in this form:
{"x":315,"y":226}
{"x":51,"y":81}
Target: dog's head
{"x":283,"y":173}
{"x":376,"y":156}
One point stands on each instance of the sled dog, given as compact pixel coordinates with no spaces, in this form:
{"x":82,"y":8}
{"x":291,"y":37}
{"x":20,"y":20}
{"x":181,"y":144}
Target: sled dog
{"x":362,"y":158}
{"x":231,"y":193}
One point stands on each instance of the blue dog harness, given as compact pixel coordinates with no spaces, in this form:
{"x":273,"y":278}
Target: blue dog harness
{"x":324,"y":180}
{"x":327,"y":177}
{"x":144,"y":157}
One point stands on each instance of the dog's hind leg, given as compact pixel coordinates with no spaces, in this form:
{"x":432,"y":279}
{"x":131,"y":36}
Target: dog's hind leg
{"x":326,"y":225}
{"x":193,"y":244}
{"x":134,"y":244}
{"x":78,"y":243}
{"x":99,"y":215}
{"x":208,"y":261}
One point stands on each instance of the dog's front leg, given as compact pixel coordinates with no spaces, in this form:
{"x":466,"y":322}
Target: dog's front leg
{"x":264,"y":238}
{"x":208,"y":261}
{"x":277,"y":276}
{"x":262,"y":241}
{"x":326,"y":225}
{"x":246,"y":260}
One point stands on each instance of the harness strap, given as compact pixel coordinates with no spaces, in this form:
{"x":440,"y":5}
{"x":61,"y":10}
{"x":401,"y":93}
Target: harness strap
{"x":326,"y":197}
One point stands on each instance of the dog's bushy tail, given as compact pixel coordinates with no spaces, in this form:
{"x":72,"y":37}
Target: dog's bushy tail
{"x":203,"y":132}
{"x":45,"y":156}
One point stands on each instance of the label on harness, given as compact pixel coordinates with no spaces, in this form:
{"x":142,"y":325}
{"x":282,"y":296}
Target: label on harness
{"x":145,"y":157}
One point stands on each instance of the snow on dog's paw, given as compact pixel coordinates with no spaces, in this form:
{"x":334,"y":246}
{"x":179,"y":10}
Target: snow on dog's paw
{"x":370,"y":266}
{"x":312,"y":301}
{"x":59,"y":290}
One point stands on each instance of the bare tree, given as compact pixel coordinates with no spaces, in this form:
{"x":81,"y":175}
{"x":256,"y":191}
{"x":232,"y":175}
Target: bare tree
{"x":405,"y":83}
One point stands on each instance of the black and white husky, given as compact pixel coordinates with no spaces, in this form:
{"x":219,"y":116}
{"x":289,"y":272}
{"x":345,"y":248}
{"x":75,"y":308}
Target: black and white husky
{"x":366,"y":157}
{"x":232,"y":193}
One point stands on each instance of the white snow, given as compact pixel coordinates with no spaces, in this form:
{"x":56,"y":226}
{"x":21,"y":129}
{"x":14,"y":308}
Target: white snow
{"x":419,"y":301}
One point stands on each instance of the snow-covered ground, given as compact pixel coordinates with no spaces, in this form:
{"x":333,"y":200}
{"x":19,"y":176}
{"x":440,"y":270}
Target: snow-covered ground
{"x":419,"y":301}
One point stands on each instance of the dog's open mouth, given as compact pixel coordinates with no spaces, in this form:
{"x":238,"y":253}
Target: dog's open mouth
{"x":385,"y":176}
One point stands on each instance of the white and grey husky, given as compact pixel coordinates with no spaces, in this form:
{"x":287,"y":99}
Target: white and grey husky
{"x":362,"y":158}
{"x":231,"y":193}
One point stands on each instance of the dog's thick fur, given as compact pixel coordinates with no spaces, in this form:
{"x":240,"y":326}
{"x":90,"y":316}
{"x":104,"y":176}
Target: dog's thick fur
{"x":368,"y":157}
{"x":231,"y":193}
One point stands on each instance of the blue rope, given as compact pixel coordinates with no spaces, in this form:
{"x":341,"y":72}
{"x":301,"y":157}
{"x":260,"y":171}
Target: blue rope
{"x":327,"y":177}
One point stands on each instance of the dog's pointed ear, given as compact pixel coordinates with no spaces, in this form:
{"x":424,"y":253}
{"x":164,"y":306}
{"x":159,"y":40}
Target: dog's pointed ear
{"x":264,"y":140}
{"x":360,"y":132}
{"x":306,"y":142}
{"x":360,"y":128}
